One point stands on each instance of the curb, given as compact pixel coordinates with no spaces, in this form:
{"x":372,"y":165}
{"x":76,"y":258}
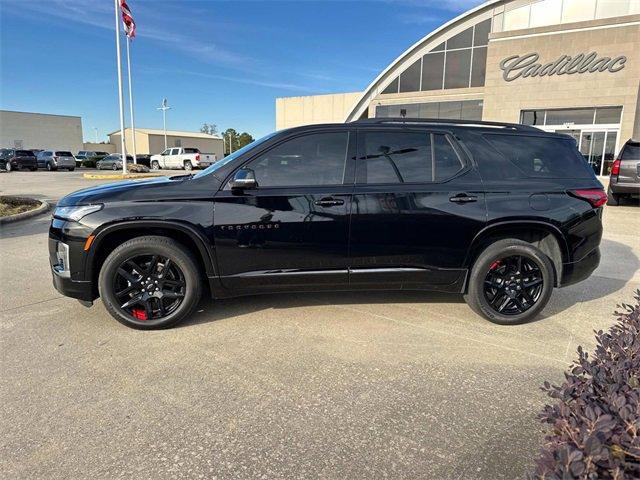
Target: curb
{"x":119,"y":176}
{"x":44,"y":206}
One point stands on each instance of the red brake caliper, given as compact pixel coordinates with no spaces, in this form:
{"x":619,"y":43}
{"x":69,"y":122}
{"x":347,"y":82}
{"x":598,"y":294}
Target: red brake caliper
{"x":494,"y":265}
{"x":139,"y":314}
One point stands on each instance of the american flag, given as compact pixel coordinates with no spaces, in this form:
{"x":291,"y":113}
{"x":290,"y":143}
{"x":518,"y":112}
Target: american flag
{"x":127,"y":19}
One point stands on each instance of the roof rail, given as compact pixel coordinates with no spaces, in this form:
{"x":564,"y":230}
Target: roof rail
{"x":442,"y":121}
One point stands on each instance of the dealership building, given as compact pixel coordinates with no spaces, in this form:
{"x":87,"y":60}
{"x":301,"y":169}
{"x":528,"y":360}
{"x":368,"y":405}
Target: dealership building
{"x":569,"y":66}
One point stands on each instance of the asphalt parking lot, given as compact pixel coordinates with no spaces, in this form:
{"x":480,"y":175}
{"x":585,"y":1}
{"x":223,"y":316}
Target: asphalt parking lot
{"x":344,"y":385}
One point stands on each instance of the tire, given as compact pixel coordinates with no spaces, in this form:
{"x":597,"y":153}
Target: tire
{"x":72,"y":169}
{"x":613,"y":200}
{"x":187,"y":166}
{"x":155,"y":165}
{"x":494,"y":267}
{"x":33,"y":169}
{"x":8,"y":167}
{"x":164,"y":248}
{"x":51,"y":168}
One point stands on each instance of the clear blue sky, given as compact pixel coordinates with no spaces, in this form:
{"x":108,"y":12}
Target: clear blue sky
{"x":219,"y":62}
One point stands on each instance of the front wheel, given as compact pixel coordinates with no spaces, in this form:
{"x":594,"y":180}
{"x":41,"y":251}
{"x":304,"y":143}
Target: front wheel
{"x":510,"y":282}
{"x":187,"y":166}
{"x":8,"y":167}
{"x":150,"y":282}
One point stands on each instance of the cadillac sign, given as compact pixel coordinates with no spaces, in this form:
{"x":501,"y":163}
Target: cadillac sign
{"x":527,"y":65}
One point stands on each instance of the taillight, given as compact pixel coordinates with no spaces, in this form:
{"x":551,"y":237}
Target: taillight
{"x":595,"y":197}
{"x":197,"y":157}
{"x":615,"y":167}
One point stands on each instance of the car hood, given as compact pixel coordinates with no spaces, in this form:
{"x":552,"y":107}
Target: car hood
{"x":154,"y":189}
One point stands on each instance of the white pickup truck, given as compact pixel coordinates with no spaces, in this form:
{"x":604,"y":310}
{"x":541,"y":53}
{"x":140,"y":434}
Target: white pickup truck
{"x":182,"y":158}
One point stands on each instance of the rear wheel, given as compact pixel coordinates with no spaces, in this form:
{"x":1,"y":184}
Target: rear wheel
{"x":33,"y":169}
{"x":155,"y":165}
{"x":187,"y":166}
{"x":50,"y":167}
{"x":8,"y":167}
{"x":72,"y":169}
{"x":510,"y":282}
{"x":150,"y":282}
{"x":115,"y":168}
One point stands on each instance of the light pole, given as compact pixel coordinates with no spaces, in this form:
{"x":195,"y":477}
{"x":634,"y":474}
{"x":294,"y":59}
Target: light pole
{"x":164,"y":109}
{"x":95,"y":131}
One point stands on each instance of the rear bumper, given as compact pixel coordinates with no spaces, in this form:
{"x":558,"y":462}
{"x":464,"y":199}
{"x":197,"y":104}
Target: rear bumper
{"x":577,"y":271}
{"x":625,"y":188}
{"x":66,"y":164}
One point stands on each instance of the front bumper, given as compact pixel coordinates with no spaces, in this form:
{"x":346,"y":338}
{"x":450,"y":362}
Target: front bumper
{"x":577,"y":271}
{"x":82,"y":290}
{"x":67,"y":260}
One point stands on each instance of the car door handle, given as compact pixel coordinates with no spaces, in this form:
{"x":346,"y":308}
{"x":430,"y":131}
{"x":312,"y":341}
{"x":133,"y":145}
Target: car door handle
{"x":463,"y":198}
{"x":329,"y":202}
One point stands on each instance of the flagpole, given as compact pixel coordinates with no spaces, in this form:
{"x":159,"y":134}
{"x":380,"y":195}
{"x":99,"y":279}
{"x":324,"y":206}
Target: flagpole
{"x":120,"y":96}
{"x":133,"y":127}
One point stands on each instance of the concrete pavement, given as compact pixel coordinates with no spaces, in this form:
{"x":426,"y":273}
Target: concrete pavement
{"x":344,"y":385}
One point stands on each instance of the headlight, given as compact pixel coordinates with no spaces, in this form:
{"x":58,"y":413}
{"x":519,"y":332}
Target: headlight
{"x":76,"y":213}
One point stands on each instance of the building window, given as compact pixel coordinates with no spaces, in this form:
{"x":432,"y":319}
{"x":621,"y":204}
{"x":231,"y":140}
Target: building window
{"x":459,"y":62}
{"x":410,"y":78}
{"x":464,"y":110}
{"x":177,"y":142}
{"x":578,"y":116}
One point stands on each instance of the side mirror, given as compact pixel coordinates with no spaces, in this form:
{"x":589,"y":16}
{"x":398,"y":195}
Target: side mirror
{"x":243,"y":179}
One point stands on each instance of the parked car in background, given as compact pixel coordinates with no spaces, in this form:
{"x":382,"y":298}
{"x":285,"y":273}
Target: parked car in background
{"x":89,"y":158}
{"x":181,"y":158}
{"x":501,"y":213}
{"x":35,"y":151}
{"x":143,"y":159}
{"x":624,"y":181}
{"x":54,"y":160}
{"x":112,"y":162}
{"x":12,"y":159}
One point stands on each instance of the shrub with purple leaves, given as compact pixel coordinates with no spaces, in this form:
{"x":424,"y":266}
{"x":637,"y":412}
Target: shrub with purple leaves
{"x":595,"y":422}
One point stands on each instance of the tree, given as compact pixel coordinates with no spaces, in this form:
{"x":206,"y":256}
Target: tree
{"x":234,"y":140}
{"x":209,"y":128}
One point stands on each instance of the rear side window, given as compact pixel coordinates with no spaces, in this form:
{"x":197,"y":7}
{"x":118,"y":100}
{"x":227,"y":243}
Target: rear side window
{"x":191,"y":150}
{"x":542,"y":157}
{"x":407,"y":157}
{"x":63,"y":154}
{"x":315,"y":159}
{"x":631,"y":151}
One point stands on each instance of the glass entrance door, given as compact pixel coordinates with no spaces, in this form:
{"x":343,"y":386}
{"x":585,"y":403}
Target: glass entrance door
{"x":599,"y":149}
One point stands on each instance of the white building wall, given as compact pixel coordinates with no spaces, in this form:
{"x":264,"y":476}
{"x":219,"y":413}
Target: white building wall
{"x":40,"y":130}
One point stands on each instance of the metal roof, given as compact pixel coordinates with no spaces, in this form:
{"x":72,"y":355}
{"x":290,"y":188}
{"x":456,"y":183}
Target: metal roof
{"x":173,"y":133}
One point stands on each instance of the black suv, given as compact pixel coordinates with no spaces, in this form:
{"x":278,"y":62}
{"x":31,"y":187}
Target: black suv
{"x":499,"y":212}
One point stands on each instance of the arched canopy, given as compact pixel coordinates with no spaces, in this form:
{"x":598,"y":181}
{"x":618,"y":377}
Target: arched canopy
{"x":422,"y":66}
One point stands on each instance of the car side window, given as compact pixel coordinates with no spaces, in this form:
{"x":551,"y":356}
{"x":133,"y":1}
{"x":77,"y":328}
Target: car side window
{"x":175,"y":151}
{"x":396,"y":157}
{"x":446,"y":161}
{"x":313,"y":159}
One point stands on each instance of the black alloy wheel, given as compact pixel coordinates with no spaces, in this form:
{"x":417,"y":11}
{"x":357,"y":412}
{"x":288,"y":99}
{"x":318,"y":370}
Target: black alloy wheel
{"x":513,"y":284}
{"x":150,"y":282}
{"x":149,"y":287}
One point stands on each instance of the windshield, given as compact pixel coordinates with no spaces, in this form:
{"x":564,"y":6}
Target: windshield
{"x":229,"y":158}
